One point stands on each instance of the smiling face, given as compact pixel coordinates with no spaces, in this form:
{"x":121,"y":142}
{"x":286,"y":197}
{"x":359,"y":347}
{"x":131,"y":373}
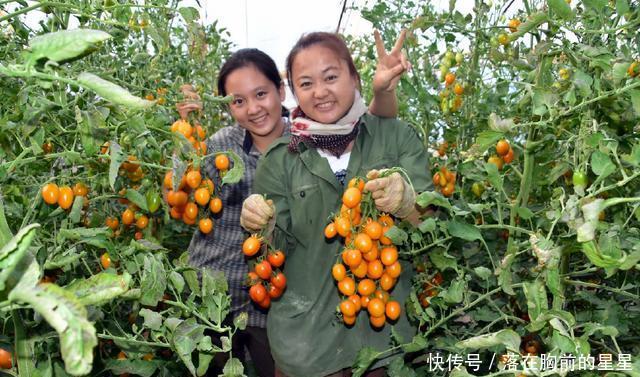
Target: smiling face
{"x":257,"y":102}
{"x":322,"y":83}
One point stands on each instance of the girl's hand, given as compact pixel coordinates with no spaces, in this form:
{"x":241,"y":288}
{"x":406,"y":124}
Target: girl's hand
{"x":390,"y":65}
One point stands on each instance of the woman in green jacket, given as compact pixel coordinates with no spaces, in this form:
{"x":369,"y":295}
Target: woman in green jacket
{"x":333,"y":139}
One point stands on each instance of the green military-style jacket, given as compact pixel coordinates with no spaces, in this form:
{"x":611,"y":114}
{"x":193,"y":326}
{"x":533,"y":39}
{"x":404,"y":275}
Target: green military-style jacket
{"x":304,"y":332}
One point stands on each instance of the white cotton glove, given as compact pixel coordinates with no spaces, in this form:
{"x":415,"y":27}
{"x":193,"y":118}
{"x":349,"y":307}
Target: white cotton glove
{"x":391,"y":194}
{"x":258,"y":214}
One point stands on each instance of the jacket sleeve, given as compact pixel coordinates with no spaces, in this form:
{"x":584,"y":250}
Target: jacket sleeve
{"x":414,"y":159}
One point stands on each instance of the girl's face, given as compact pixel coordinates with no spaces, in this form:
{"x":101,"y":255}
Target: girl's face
{"x":257,"y":103}
{"x":322,"y":84}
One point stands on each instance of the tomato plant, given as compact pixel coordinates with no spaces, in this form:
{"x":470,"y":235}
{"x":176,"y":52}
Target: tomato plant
{"x":520,"y":235}
{"x":83,"y":157}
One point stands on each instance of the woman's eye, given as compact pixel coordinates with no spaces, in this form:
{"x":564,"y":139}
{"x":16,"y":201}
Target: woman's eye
{"x":237,"y":102}
{"x":261,"y":94}
{"x":305,"y":84}
{"x":332,"y":77}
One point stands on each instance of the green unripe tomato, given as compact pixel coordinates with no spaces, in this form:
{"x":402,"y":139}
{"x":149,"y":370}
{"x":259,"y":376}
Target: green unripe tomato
{"x":459,"y":58}
{"x":449,"y":55}
{"x":477,"y":188}
{"x":579,"y":179}
{"x":153,"y":200}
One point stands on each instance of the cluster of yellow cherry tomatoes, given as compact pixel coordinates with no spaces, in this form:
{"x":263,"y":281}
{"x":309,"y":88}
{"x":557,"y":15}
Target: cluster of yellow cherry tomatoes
{"x":160,"y":100}
{"x":266,"y":279}
{"x":444,"y":181}
{"x":63,"y":196}
{"x":451,"y":96}
{"x":195,"y":135}
{"x":194,"y":191}
{"x":369,"y":265}
{"x":504,"y":154}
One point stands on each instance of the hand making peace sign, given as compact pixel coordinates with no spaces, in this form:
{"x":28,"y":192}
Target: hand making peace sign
{"x":390,"y":65}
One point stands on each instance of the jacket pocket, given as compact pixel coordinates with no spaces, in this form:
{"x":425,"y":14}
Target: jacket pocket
{"x":305,"y":204}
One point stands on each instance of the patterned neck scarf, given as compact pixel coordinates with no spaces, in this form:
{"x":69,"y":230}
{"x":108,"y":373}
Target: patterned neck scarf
{"x":334,"y":138}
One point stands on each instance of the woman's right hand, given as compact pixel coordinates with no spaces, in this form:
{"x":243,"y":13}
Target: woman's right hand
{"x":257,"y":214}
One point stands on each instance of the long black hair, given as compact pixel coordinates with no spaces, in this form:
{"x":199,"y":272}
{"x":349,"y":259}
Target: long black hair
{"x":250,"y":57}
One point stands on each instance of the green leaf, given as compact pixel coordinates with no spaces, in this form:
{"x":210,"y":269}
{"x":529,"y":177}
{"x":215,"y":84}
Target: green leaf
{"x":154,"y":281}
{"x":509,"y":338}
{"x":564,"y":343}
{"x":633,"y":158}
{"x":397,"y":368}
{"x":190,"y":14}
{"x":428,"y":225}
{"x":112,"y":92}
{"x":235,"y":174}
{"x":152,"y":320}
{"x":596,"y":5}
{"x":240,"y":321}
{"x":117,"y":157}
{"x":486,"y":139}
{"x":601,"y":164}
{"x":536,"y":295}
{"x":179,"y":168}
{"x":233,"y":368}
{"x":76,"y":209}
{"x":428,"y":198}
{"x":454,"y":294}
{"x":591,"y":328}
{"x":483,"y":272}
{"x":364,"y":359}
{"x":397,"y":235}
{"x":136,"y":367}
{"x":524,"y":212}
{"x":100,"y":288}
{"x":137,"y":198}
{"x":622,"y":7}
{"x":583,"y":82}
{"x":13,"y":253}
{"x":464,"y":231}
{"x":418,"y":343}
{"x":635,"y":100}
{"x":24,"y":346}
{"x":620,"y":72}
{"x":177,"y":281}
{"x":98,"y":237}
{"x":5,"y":231}
{"x":204,"y":359}
{"x":185,"y":339}
{"x":549,"y":315}
{"x":442,"y":260}
{"x":65,"y":44}
{"x":87,"y":124}
{"x":493,"y":175}
{"x":68,"y":317}
{"x":561,"y":8}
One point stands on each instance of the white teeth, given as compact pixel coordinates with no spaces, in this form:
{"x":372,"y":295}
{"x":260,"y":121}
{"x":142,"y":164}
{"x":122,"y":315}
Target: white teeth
{"x":323,"y":106}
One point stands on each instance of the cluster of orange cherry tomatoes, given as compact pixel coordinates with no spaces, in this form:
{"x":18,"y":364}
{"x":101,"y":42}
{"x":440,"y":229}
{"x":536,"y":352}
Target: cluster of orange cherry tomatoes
{"x":445,"y":181}
{"x":266,"y":280}
{"x":195,"y":135}
{"x":369,"y":265}
{"x":63,"y":196}
{"x":504,"y":154}
{"x":194,"y":191}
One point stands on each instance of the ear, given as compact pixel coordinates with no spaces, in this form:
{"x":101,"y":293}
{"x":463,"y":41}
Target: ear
{"x":282,"y":92}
